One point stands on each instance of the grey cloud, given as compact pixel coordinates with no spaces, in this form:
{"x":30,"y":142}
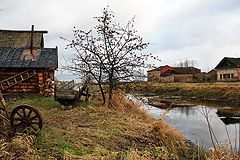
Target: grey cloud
{"x":202,"y":30}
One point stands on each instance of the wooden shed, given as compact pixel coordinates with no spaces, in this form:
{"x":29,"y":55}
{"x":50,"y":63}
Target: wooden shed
{"x":25,"y":65}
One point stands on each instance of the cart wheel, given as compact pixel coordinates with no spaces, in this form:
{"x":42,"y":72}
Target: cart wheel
{"x":25,"y":118}
{"x":1,"y":110}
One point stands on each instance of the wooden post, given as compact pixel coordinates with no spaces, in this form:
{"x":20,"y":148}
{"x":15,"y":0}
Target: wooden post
{"x":5,"y":105}
{"x":31,"y":45}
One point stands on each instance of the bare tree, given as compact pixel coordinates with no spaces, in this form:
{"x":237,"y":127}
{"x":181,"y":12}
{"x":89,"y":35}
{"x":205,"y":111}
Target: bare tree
{"x":110,"y":54}
{"x":186,"y":63}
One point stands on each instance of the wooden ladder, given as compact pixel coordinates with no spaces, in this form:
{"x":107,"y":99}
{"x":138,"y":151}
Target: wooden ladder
{"x":16,"y":79}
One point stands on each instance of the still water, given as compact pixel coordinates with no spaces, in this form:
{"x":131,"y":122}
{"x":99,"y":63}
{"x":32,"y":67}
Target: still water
{"x":190,"y":118}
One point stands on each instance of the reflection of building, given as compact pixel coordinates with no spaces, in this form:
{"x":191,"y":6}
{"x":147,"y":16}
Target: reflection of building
{"x":228,"y":116}
{"x":228,"y":69}
{"x":173,"y":74}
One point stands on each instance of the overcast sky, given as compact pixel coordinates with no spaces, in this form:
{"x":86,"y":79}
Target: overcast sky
{"x":201,"y":30}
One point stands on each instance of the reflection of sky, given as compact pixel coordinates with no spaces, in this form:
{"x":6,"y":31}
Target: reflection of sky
{"x":191,"y":121}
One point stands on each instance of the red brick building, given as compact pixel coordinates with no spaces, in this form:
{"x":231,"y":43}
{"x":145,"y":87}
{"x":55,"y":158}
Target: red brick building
{"x":173,"y":74}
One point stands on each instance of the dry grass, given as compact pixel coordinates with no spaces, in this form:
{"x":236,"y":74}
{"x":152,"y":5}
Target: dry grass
{"x":167,"y":135}
{"x":223,"y":152}
{"x":19,"y":148}
{"x":92,"y":131}
{"x":127,"y":106}
{"x":168,"y":142}
{"x":220,"y":90}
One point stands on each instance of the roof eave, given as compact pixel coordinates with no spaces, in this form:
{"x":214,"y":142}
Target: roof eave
{"x":21,"y":31}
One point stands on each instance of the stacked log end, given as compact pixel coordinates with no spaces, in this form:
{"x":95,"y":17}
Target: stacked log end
{"x":40,"y":83}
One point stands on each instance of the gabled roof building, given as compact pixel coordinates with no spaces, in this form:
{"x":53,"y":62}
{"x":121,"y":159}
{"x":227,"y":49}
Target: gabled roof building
{"x":172,"y":74}
{"x":228,"y":69}
{"x":25,"y":65}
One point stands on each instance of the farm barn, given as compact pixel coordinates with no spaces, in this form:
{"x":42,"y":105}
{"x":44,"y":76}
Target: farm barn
{"x":173,"y":74}
{"x":25,"y":65}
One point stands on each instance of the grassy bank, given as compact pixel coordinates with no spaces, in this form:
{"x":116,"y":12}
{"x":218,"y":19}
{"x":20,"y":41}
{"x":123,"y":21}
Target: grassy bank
{"x":94,"y":131}
{"x":228,"y":91}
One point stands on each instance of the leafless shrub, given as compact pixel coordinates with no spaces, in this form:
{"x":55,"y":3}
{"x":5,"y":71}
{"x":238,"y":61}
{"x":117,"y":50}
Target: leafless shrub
{"x":109,"y":53}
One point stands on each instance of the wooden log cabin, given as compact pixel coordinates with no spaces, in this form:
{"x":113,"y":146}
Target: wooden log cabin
{"x":25,"y":65}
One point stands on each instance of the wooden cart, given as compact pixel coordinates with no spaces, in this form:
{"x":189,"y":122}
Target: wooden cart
{"x":23,"y":118}
{"x":70,"y":92}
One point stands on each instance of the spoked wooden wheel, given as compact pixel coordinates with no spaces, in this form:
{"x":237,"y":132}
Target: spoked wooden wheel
{"x":1,"y":110}
{"x":25,"y":118}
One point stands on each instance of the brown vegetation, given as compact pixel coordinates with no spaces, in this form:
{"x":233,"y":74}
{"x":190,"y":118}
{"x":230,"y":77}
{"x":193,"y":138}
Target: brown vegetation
{"x":94,"y":131}
{"x":228,"y":91}
{"x":20,"y":147}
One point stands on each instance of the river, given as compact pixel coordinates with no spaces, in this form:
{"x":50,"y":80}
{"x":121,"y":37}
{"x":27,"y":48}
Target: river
{"x":190,"y":118}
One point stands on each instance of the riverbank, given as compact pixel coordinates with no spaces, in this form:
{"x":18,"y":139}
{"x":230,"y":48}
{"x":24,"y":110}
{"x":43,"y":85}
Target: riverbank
{"x":92,"y":131}
{"x":220,"y":91}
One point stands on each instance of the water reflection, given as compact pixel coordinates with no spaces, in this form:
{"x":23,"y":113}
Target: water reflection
{"x":191,"y":120}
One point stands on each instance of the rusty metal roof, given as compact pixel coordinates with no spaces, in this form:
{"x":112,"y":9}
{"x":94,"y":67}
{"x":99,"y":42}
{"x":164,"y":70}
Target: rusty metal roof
{"x":157,"y":69}
{"x":177,"y":70}
{"x":14,"y":58}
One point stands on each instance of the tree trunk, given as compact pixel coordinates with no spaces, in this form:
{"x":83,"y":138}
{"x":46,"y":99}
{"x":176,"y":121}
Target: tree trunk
{"x":110,"y":91}
{"x":102,"y":92}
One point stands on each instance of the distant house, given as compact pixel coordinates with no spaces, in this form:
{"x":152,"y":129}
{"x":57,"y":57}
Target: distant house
{"x":25,"y":65}
{"x":228,"y":69}
{"x":173,"y":74}
{"x":211,"y":76}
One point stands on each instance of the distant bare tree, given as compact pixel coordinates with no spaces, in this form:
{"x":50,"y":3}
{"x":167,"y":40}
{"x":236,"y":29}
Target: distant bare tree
{"x":109,"y":54}
{"x":186,"y":63}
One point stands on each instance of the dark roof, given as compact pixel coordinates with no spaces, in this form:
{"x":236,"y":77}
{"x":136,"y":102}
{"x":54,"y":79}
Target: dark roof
{"x":13,"y":38}
{"x":186,"y":70}
{"x":15,"y":58}
{"x":228,"y":62}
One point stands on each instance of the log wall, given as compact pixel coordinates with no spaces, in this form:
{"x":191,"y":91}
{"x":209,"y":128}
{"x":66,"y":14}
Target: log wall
{"x":39,"y":84}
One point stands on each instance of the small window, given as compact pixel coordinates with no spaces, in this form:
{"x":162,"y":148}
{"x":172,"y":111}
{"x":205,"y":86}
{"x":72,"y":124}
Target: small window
{"x":228,"y":75}
{"x":224,"y":75}
{"x":232,"y":75}
{"x":221,"y":76}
